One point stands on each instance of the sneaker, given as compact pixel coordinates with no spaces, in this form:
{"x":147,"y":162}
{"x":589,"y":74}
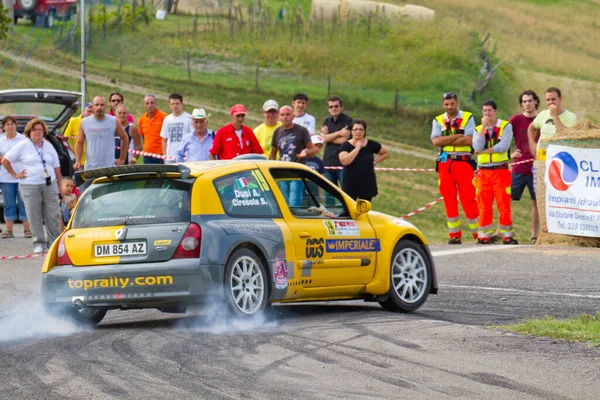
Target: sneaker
{"x":533,"y":240}
{"x":483,"y":241}
{"x":493,"y":239}
{"x":38,"y":249}
{"x":454,"y":241}
{"x":510,"y":240}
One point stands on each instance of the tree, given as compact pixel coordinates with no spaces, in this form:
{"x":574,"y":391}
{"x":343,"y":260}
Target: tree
{"x":5,"y":19}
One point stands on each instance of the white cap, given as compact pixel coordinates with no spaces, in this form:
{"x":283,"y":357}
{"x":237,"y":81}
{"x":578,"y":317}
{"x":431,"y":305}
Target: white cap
{"x":270,"y":105}
{"x":316,"y":139}
{"x":199,"y":113}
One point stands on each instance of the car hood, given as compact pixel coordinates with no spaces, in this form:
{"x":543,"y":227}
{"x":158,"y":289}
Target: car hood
{"x":55,"y":107}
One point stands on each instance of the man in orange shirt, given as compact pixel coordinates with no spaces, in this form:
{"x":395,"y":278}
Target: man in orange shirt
{"x":150,"y":125}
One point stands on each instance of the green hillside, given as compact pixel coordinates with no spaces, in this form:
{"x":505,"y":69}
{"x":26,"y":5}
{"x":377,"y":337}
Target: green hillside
{"x":213,"y":63}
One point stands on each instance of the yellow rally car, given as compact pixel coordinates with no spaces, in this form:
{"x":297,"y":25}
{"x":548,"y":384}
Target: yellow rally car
{"x":248,"y":232}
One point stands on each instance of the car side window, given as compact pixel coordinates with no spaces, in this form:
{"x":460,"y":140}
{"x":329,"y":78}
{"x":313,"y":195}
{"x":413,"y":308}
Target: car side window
{"x":247,"y":194}
{"x":309,"y":195}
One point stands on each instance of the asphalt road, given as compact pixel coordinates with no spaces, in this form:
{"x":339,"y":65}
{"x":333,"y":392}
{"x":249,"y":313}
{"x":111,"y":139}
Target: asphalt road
{"x":350,"y":350}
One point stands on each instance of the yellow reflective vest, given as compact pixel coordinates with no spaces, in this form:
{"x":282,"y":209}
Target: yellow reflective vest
{"x":455,"y":127}
{"x":491,"y":141}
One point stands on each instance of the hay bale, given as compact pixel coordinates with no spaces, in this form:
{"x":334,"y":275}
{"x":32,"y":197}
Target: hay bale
{"x":583,"y":134}
{"x":331,"y":8}
{"x":556,"y":239}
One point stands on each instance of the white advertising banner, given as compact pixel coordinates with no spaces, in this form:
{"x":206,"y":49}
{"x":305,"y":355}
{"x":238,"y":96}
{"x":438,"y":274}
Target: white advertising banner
{"x":573,"y":190}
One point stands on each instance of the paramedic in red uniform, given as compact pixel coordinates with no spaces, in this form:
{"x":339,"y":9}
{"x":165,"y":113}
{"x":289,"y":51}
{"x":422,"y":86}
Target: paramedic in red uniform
{"x":453,"y":133}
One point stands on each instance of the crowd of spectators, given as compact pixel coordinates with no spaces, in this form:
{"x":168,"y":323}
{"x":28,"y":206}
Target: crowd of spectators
{"x":36,"y":193}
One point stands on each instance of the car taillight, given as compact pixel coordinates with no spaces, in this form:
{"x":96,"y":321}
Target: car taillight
{"x":62,"y":254}
{"x":189,"y":247}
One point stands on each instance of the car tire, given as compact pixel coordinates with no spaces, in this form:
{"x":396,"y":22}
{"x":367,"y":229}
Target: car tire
{"x":27,"y":5}
{"x":88,"y":317}
{"x":410,"y":278}
{"x":246,"y":284}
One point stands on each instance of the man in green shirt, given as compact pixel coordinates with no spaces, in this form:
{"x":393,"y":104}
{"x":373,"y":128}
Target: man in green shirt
{"x":548,"y":122}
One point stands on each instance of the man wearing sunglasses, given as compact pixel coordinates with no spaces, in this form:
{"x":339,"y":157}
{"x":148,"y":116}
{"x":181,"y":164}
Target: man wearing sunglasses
{"x":335,"y":131}
{"x":116,"y":99}
{"x":453,"y":133}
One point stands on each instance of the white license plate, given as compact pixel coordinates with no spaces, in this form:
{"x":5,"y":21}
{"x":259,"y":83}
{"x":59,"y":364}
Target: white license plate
{"x":120,"y":249}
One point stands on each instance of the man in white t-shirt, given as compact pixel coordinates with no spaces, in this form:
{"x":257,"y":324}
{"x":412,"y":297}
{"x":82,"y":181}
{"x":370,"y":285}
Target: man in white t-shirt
{"x":176,"y":127}
{"x":301,"y":117}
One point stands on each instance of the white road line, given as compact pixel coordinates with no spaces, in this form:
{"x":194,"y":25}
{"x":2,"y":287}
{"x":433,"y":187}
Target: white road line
{"x":442,"y":253}
{"x":493,"y":289}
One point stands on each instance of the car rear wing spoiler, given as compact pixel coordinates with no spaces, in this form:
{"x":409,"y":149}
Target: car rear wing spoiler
{"x":131,"y":170}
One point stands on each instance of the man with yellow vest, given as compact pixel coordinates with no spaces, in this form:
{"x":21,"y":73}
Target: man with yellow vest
{"x":492,"y":146}
{"x":453,"y":132}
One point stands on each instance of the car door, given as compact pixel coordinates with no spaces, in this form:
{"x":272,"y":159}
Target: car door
{"x":332,"y":248}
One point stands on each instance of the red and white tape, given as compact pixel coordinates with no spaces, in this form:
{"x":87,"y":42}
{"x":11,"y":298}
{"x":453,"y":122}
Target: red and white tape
{"x":145,"y":153}
{"x":22,"y":257}
{"x":425,"y":207}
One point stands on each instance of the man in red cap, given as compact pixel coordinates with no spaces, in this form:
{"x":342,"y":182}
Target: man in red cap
{"x":236,"y":138}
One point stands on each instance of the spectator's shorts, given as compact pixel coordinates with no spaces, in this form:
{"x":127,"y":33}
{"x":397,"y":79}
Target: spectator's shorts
{"x":519,"y":181}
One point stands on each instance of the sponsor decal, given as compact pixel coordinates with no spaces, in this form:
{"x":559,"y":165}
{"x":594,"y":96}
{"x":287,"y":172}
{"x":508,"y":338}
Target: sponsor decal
{"x":341,"y":228}
{"x":259,"y":230}
{"x":280,"y":276}
{"x":562,"y":171}
{"x":162,"y":242}
{"x":572,"y":196}
{"x":330,"y":228}
{"x":314,"y":248}
{"x":352,"y":245}
{"x":119,"y":282}
{"x":120,"y":233}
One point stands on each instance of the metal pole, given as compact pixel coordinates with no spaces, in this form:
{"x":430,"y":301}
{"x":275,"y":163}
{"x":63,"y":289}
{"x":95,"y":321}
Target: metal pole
{"x":82,"y":14}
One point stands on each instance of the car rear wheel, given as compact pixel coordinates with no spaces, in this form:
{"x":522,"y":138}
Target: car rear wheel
{"x":87,"y":316}
{"x":410,"y":278}
{"x":246,"y":283}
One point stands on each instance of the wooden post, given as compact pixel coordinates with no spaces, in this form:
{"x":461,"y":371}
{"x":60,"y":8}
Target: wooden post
{"x":196,"y":22}
{"x":121,"y":58}
{"x":188,"y":66}
{"x":133,"y":6}
{"x":104,"y":23}
{"x":89,"y":27}
{"x":145,"y":13}
{"x":256,"y":79}
{"x":119,"y":7}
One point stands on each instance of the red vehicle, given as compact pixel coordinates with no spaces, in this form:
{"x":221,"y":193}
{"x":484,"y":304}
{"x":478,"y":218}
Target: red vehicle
{"x":46,"y":9}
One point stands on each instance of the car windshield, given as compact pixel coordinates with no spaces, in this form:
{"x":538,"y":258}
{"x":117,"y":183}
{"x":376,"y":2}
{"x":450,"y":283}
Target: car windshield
{"x":134,"y":202}
{"x":47,"y":111}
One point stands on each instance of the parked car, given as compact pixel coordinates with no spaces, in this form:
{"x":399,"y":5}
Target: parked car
{"x":166,"y":236}
{"x":49,"y":10}
{"x":55,"y":107}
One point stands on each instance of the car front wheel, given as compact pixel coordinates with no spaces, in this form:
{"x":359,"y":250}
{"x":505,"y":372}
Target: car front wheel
{"x":246,"y":283}
{"x":410,"y":278}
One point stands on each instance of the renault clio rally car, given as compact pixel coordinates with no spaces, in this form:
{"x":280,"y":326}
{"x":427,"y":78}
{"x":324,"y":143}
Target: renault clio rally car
{"x":167,"y":236}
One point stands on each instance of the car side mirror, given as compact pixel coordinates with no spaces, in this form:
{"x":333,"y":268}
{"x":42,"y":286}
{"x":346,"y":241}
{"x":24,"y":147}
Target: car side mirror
{"x":363,"y":206}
